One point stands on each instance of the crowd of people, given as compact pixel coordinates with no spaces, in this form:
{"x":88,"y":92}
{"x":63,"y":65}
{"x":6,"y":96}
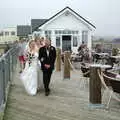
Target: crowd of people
{"x":37,"y":58}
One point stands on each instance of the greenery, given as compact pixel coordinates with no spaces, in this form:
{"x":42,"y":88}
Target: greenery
{"x":115,"y":51}
{"x":1,"y":115}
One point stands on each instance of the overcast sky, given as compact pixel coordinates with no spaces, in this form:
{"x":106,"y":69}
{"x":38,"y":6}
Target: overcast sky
{"x":104,"y":14}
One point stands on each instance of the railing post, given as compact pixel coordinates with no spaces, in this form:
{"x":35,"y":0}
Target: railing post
{"x":1,"y":84}
{"x":95,"y":85}
{"x":12,"y":63}
{"x":58,"y":60}
{"x":9,"y":65}
{"x":67,"y":65}
{"x":4,"y":86}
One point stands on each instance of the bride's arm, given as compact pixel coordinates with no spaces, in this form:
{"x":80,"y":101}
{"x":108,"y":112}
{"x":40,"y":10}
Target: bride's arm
{"x":26,"y":56}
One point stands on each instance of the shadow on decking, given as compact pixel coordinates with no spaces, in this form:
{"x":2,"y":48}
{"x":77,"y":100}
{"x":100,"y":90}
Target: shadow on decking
{"x":67,"y":101}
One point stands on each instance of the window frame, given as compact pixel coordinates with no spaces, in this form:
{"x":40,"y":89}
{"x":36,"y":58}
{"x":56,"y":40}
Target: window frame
{"x":85,"y":36}
{"x":75,"y":41}
{"x":12,"y":33}
{"x":57,"y":41}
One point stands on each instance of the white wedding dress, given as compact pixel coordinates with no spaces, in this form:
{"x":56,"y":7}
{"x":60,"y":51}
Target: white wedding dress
{"x":29,"y":76}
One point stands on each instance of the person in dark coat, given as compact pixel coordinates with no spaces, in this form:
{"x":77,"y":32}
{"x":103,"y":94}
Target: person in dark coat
{"x":47,"y":56}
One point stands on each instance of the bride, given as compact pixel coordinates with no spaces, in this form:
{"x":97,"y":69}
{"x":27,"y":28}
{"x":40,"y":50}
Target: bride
{"x":39,"y":43}
{"x":29,"y":75}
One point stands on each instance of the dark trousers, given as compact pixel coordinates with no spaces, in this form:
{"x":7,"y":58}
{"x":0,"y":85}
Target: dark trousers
{"x":46,"y":79}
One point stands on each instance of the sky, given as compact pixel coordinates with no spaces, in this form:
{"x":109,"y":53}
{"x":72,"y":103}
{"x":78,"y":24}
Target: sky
{"x":104,"y":14}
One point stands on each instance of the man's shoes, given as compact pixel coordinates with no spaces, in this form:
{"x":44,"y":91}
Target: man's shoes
{"x":49,"y":90}
{"x":47,"y":93}
{"x":20,"y":71}
{"x":38,"y":89}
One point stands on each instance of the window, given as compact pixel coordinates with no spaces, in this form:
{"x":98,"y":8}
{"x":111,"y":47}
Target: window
{"x":48,"y":34}
{"x":36,"y":35}
{"x":69,"y":32}
{"x":76,"y":32}
{"x":64,"y":31}
{"x":85,"y":36}
{"x":72,"y":32}
{"x":57,"y":41}
{"x":1,"y":33}
{"x":58,"y":32}
{"x":75,"y":41}
{"x":12,"y":33}
{"x":6,"y":33}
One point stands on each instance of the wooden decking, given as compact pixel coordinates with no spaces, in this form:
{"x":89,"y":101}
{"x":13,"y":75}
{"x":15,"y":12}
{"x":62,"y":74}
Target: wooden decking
{"x":67,"y":101}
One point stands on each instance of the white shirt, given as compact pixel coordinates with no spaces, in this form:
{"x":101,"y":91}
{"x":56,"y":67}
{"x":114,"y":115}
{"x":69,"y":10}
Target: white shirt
{"x":47,"y":52}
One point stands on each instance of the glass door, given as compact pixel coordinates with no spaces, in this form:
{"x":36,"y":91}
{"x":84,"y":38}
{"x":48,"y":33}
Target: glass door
{"x":66,"y":43}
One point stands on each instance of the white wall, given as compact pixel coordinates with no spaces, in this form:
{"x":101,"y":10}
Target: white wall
{"x":66,"y":22}
{"x":70,"y":22}
{"x":10,"y":29}
{"x":7,"y":38}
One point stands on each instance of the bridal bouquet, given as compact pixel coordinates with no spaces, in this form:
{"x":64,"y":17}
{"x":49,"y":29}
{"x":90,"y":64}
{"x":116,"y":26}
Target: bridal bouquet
{"x":30,"y":57}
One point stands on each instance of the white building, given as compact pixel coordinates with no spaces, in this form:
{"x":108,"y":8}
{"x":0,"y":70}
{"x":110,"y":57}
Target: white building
{"x":8,"y":34}
{"x":66,"y":30}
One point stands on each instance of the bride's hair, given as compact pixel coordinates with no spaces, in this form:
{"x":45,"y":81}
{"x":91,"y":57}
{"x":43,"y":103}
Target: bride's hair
{"x":31,"y":42}
{"x":28,"y":45}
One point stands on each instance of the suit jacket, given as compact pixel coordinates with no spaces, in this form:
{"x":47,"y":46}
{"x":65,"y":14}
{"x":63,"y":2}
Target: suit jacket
{"x":47,"y":59}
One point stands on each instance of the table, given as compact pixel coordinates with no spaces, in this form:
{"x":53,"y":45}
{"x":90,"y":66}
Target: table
{"x":100,"y":56}
{"x":117,"y":58}
{"x":100,"y":66}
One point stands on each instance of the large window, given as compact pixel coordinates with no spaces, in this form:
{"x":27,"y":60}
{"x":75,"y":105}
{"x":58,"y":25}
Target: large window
{"x":57,"y":41}
{"x":48,"y":34}
{"x":12,"y":33}
{"x":1,"y":33}
{"x":58,"y":32}
{"x":85,"y":36}
{"x":75,"y":41}
{"x":6,"y":33}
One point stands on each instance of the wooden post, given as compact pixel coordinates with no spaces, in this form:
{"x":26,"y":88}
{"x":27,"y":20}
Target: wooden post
{"x":66,"y":65}
{"x":58,"y":60}
{"x":95,"y":86}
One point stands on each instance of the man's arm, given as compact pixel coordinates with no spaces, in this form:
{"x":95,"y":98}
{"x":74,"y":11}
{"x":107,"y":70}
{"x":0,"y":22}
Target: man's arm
{"x":53,"y":56}
{"x":40,"y":55}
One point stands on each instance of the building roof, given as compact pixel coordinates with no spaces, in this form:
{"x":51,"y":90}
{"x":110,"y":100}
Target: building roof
{"x":23,"y":30}
{"x":35,"y":23}
{"x":46,"y":20}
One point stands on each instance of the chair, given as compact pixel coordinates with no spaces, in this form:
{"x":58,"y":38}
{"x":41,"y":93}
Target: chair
{"x":85,"y":75}
{"x":112,"y":87}
{"x":85,"y":70}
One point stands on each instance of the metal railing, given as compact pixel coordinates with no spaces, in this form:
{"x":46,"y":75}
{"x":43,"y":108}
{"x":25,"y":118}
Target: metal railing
{"x":7,"y":66}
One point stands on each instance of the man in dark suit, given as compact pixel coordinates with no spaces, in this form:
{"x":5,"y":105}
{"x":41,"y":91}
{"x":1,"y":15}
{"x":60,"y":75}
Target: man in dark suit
{"x":47,"y":56}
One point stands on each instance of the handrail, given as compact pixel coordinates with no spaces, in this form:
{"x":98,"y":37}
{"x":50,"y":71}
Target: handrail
{"x":114,"y":79}
{"x":76,"y":70}
{"x":71,"y":65}
{"x":86,"y":73}
{"x":105,"y":86}
{"x":102,"y":79}
{"x":8,"y":62}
